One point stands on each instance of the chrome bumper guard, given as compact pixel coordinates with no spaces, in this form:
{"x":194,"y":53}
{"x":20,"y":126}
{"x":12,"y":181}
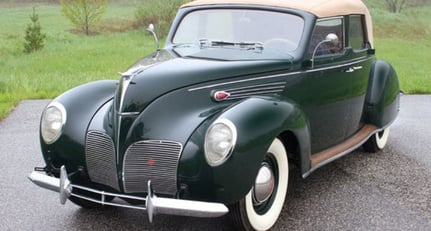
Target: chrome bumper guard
{"x":151,"y":203}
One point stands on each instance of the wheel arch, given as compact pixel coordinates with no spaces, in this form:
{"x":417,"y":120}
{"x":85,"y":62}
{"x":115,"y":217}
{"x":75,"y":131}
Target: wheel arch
{"x":259,"y":120}
{"x":292,"y":146}
{"x":297,"y":145}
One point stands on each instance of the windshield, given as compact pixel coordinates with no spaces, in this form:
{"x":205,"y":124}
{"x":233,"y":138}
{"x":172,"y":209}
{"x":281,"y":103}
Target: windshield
{"x":268,"y":33}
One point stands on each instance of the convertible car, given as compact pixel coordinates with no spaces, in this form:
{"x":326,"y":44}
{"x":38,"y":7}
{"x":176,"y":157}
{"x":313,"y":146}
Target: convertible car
{"x":210,"y":124}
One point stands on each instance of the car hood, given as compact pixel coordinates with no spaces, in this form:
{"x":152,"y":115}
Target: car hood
{"x":164,"y":72}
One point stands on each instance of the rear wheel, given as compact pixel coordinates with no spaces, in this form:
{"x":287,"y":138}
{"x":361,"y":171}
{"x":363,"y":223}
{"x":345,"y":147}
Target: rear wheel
{"x":377,"y":141}
{"x":261,"y":207}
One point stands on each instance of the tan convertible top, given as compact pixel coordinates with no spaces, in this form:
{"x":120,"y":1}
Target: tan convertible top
{"x":320,"y":8}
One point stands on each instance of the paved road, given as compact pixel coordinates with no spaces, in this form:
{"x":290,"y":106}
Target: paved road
{"x":386,"y":191}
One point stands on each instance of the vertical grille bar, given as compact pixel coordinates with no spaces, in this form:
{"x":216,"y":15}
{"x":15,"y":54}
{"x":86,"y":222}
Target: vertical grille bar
{"x":154,"y":160}
{"x":100,"y":158}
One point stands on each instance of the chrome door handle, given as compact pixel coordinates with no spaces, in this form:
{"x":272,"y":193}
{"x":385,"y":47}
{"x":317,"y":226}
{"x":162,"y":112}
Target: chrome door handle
{"x":352,"y":69}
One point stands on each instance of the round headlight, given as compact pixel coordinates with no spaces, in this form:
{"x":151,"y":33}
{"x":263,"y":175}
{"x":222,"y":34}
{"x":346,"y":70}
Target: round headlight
{"x":220,"y":141}
{"x":53,"y":120}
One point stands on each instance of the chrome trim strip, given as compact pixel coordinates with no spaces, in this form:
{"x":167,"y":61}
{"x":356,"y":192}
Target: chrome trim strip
{"x":246,"y":90}
{"x":329,"y":18}
{"x":128,"y":114}
{"x":153,"y":204}
{"x":269,"y":85}
{"x":117,"y":140}
{"x":259,"y":89}
{"x":278,"y":75}
{"x":242,"y":81}
{"x":126,"y":80}
{"x":244,"y":95}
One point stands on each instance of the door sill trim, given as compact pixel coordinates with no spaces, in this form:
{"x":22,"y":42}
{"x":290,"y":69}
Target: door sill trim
{"x":326,"y":156}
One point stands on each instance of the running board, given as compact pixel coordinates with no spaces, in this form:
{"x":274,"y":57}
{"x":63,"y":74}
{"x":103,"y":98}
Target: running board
{"x":326,"y":156}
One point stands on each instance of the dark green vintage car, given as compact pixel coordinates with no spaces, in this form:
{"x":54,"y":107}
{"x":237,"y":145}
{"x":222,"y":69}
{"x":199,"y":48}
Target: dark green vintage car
{"x":210,"y":124}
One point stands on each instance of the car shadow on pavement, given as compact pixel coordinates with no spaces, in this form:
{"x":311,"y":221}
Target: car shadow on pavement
{"x":112,"y":218}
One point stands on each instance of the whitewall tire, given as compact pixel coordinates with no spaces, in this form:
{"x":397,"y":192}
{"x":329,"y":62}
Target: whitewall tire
{"x":252,"y":213}
{"x":377,"y":141}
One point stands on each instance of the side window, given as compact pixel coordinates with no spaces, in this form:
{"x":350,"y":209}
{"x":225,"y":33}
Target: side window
{"x":357,"y":35}
{"x":322,"y":29}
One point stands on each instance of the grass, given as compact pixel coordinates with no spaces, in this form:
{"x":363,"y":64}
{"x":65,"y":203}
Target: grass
{"x":410,"y":61}
{"x":69,"y":59}
{"x":405,"y":41}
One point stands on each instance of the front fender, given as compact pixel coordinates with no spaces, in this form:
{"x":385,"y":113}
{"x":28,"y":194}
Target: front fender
{"x":382,"y":99}
{"x":258,"y":122}
{"x":81,"y":104}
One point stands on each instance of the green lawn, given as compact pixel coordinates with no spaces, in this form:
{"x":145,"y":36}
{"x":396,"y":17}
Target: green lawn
{"x":410,"y":59}
{"x":69,"y":59}
{"x":405,"y":41}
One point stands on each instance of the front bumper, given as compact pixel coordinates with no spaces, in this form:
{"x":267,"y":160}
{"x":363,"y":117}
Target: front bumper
{"x":151,"y":203}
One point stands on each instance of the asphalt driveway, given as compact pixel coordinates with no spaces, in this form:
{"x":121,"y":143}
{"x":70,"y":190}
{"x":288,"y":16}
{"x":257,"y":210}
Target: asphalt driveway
{"x":390,"y":190}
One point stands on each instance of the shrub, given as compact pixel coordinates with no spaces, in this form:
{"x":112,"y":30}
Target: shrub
{"x":159,"y":13}
{"x":84,"y":14}
{"x":33,"y":35}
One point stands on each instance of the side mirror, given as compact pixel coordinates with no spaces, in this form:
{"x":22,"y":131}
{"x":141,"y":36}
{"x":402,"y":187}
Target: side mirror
{"x":330,"y":38}
{"x":150,"y":29}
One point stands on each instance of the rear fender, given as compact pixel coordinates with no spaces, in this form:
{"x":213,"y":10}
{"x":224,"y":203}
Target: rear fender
{"x":382,"y":99}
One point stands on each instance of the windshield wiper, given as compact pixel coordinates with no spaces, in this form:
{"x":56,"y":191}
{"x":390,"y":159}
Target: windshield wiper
{"x":184,"y":45}
{"x":205,"y":43}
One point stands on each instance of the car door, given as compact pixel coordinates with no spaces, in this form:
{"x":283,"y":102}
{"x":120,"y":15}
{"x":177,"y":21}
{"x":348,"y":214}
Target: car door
{"x":358,"y":70}
{"x":325,"y":87}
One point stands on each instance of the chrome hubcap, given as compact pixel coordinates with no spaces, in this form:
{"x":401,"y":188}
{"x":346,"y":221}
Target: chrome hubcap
{"x":264,"y":185}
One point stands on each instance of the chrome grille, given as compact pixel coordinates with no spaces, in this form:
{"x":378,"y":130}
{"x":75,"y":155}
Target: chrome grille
{"x":154,"y":160}
{"x":100,"y":158}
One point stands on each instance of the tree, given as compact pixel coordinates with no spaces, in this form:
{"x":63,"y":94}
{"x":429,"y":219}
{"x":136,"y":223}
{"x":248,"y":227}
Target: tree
{"x":84,"y":14}
{"x":395,"y":6}
{"x":33,"y":35}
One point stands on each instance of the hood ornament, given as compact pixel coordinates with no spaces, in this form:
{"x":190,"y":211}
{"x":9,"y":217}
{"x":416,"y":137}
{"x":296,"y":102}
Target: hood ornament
{"x":131,"y":72}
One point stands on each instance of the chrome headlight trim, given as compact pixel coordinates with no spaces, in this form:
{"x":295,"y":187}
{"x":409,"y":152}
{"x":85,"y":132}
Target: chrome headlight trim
{"x":52,"y":122}
{"x":220,"y":140}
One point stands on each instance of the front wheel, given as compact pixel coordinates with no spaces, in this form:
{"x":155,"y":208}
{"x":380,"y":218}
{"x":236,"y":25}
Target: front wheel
{"x":260,"y":208}
{"x":377,"y":141}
